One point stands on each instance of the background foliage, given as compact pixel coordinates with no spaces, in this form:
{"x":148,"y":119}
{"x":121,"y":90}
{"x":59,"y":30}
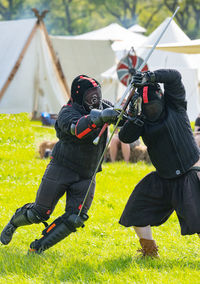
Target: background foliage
{"x":72,"y":17}
{"x":103,"y":251}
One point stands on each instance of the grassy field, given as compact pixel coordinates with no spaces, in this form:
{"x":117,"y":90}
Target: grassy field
{"x":103,"y":251}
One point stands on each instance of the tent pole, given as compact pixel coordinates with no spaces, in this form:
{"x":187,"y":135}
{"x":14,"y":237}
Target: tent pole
{"x":53,"y":54}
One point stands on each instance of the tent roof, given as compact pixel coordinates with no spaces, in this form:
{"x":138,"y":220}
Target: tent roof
{"x":188,"y":47}
{"x":111,"y":32}
{"x":137,"y":29}
{"x":172,"y":34}
{"x":135,"y":41}
{"x":164,"y":59}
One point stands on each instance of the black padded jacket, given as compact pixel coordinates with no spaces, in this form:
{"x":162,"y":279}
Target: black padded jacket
{"x":81,"y":155}
{"x":170,"y":142}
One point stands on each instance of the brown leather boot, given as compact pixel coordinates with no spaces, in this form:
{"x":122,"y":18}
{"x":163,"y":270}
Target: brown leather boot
{"x":149,"y":248}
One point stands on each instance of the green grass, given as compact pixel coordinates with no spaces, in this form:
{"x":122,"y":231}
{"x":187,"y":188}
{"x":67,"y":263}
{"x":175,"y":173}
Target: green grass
{"x":103,"y":251}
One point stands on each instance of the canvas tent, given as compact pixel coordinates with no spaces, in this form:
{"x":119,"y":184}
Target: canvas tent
{"x":137,"y":29}
{"x":181,"y":62}
{"x":112,"y":32}
{"x":83,"y":56}
{"x":121,"y":48}
{"x":92,"y":53}
{"x":121,"y":38}
{"x":165,"y":59}
{"x":30,"y":80}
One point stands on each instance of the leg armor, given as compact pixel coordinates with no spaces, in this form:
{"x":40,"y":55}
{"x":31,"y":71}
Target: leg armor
{"x":25,"y":215}
{"x":57,"y":231}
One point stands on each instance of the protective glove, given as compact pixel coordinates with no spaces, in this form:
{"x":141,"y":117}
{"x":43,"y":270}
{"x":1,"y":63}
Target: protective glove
{"x":109,"y":115}
{"x":95,"y":117}
{"x":135,"y":105}
{"x":132,"y":110}
{"x":138,"y":120}
{"x":141,"y":79}
{"x":99,"y":117}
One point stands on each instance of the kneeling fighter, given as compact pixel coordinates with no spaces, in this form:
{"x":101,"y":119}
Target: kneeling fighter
{"x":73,"y":163}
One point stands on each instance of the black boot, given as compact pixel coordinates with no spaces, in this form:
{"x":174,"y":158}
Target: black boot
{"x":7,"y":233}
{"x":23,"y":216}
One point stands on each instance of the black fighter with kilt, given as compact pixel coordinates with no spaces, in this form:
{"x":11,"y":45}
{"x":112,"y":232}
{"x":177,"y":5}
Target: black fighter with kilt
{"x":70,"y":171}
{"x":166,"y":131}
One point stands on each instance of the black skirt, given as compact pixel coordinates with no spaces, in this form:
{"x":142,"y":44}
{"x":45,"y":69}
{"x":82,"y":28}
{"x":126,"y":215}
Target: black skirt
{"x":154,"y":199}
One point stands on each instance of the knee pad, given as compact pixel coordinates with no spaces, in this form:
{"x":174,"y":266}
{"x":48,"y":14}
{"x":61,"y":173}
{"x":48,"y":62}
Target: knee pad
{"x":20,"y":217}
{"x":27,"y":215}
{"x":33,"y":216}
{"x":36,"y":212}
{"x":75,"y":221}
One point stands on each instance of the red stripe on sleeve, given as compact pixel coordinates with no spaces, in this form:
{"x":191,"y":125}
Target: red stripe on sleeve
{"x":86,"y":131}
{"x":145,"y":96}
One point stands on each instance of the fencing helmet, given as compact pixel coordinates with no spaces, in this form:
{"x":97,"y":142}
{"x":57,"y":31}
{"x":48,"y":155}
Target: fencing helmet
{"x":86,"y":91}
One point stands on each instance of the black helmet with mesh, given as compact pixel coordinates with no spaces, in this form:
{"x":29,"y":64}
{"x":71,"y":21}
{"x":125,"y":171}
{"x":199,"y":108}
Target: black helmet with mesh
{"x":80,"y":86}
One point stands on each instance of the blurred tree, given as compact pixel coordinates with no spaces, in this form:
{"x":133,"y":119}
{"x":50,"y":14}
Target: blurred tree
{"x":188,"y":17}
{"x":9,"y":9}
{"x":72,"y":17}
{"x":124,"y":11}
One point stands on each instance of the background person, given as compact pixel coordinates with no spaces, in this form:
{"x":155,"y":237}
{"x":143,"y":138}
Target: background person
{"x":74,"y":160}
{"x":197,"y":130}
{"x":116,"y":144}
{"x":175,"y":185}
{"x":114,"y":147}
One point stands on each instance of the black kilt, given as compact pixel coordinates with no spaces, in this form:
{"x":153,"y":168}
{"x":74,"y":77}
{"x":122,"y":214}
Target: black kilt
{"x":154,"y":199}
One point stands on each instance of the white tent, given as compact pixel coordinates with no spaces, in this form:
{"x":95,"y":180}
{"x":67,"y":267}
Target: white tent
{"x":122,"y":38}
{"x":160,"y":59}
{"x":121,"y":48}
{"x":137,"y":29}
{"x":111,"y":32}
{"x":30,"y":80}
{"x":91,"y":53}
{"x":165,"y":59}
{"x":83,"y":56}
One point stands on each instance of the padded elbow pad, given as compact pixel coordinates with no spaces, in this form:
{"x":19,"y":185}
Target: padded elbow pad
{"x":84,"y":126}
